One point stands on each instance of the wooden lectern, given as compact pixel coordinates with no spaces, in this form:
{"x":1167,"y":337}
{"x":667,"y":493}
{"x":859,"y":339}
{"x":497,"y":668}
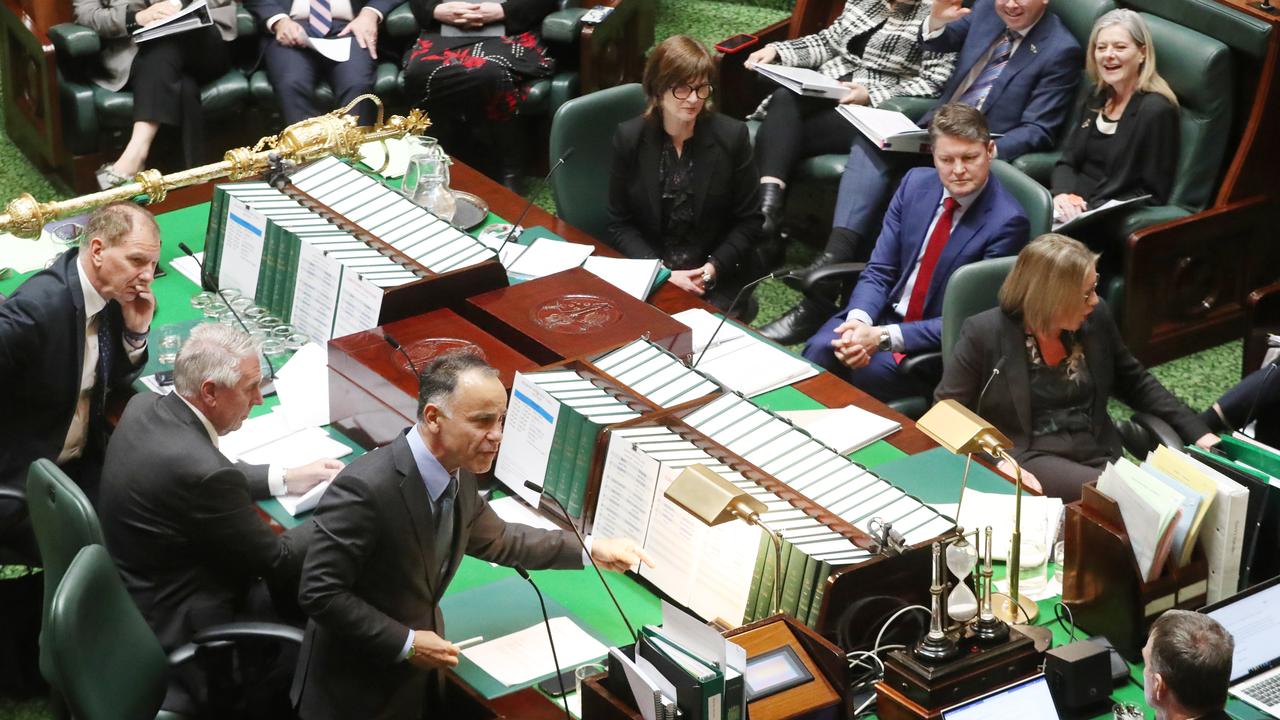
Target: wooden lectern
{"x":373,"y":391}
{"x":571,"y":314}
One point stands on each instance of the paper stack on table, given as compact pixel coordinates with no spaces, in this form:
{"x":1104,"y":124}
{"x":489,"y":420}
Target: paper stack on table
{"x":740,"y":361}
{"x":524,"y":655}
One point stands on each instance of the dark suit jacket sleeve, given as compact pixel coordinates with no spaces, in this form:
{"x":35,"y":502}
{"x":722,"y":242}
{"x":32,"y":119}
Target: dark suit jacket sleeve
{"x":346,"y":528}
{"x":382,"y":6}
{"x":230,"y":534}
{"x":1140,"y":389}
{"x":1047,"y":105}
{"x":257,"y":477}
{"x":22,"y":319}
{"x":498,"y":541}
{"x":1155,"y":155}
{"x":1008,"y":239}
{"x":263,"y":9}
{"x":624,"y":233}
{"x":871,"y":294}
{"x":965,"y":371}
{"x":734,"y":250}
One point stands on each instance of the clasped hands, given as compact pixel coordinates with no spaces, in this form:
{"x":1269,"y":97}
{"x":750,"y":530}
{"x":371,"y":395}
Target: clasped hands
{"x":432,"y":651}
{"x":470,"y":16}
{"x":855,"y":343}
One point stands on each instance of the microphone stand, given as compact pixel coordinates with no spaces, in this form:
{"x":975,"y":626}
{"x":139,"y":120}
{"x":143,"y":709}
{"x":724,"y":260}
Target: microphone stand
{"x":583,"y":543}
{"x":396,"y":345}
{"x":529,"y":205}
{"x":725,"y":315}
{"x":546,"y":621}
{"x":208,"y":281}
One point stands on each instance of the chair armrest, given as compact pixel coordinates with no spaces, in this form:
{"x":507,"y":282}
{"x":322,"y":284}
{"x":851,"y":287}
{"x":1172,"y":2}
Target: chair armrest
{"x":925,"y":367}
{"x":838,"y":270}
{"x":1144,"y":217}
{"x":12,"y":493}
{"x":1143,"y":432}
{"x":612,"y":51}
{"x":1038,"y":165}
{"x":75,"y":41}
{"x":400,"y":22}
{"x":1159,"y":430}
{"x":912,"y":107}
{"x":230,"y":632}
{"x":561,"y":26}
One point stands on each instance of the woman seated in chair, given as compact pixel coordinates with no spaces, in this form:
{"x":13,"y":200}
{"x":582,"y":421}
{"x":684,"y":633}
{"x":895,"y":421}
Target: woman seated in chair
{"x":683,"y":185}
{"x":874,"y":50}
{"x":1126,"y":143}
{"x":165,"y":74}
{"x":1060,"y":357}
{"x":470,"y":69}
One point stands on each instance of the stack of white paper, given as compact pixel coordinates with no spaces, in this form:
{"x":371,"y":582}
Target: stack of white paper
{"x":803,"y":81}
{"x":739,"y":361}
{"x":846,"y":429}
{"x":633,"y":276}
{"x":547,"y":256}
{"x":526,"y":654}
{"x":1150,"y":510}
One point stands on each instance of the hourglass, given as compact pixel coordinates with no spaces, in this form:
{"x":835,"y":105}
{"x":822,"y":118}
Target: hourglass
{"x":962,"y":558}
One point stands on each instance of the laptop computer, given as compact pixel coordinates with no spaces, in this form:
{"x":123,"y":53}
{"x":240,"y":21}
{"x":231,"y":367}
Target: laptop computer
{"x":1250,"y":617}
{"x":1028,"y":699}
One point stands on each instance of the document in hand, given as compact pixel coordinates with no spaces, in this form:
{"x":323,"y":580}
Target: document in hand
{"x":1150,"y":511}
{"x":887,"y":129}
{"x":195,"y":15}
{"x":803,"y":81}
{"x":1059,"y":224}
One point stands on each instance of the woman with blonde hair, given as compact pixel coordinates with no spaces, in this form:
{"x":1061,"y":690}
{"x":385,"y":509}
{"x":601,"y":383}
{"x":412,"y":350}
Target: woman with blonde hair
{"x":1126,"y":144}
{"x":1060,"y":358}
{"x":683,"y":186}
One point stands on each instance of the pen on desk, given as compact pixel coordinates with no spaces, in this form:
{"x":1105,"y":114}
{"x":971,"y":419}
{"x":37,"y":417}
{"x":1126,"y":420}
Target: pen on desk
{"x":468,"y":642}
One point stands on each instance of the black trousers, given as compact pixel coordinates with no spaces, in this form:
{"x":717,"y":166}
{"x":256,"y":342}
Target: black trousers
{"x":166,"y":76}
{"x":796,"y":128}
{"x":1256,"y":397}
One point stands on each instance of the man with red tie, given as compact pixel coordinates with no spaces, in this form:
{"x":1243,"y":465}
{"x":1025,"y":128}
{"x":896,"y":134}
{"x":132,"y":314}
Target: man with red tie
{"x":937,"y":221}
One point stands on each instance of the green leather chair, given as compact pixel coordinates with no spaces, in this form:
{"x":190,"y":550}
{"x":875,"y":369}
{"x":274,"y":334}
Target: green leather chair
{"x":88,"y":109}
{"x":586,"y":125}
{"x":64,"y":522}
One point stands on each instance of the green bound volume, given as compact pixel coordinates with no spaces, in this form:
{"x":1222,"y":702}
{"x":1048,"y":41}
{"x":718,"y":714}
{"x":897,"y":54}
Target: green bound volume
{"x":791,"y":581}
{"x":569,"y":459}
{"x":753,"y":594}
{"x":820,"y":586}
{"x":806,"y":588}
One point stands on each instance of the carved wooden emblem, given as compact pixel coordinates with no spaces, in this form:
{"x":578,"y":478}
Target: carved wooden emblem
{"x":576,"y":314}
{"x":424,"y":351}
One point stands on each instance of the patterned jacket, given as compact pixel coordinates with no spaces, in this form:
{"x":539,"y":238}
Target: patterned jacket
{"x":893,"y":62}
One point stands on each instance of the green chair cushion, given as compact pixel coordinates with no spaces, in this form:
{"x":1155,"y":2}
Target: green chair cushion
{"x":219,"y":97}
{"x":80,"y":126}
{"x":1031,"y":195}
{"x":75,"y":41}
{"x":246,"y":27}
{"x":1080,"y":15}
{"x":823,"y":168}
{"x":972,"y":289}
{"x":1238,"y":31}
{"x":538,"y":99}
{"x":386,"y":81}
{"x":561,"y":26}
{"x":1038,"y":165}
{"x":912,"y":407}
{"x":400,"y":23}
{"x":912,"y":107}
{"x":1145,"y":217}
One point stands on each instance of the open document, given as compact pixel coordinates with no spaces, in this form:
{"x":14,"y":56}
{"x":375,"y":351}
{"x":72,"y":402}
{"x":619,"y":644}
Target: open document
{"x":1059,"y":224}
{"x":803,"y":81}
{"x":191,"y":17}
{"x":740,"y":361}
{"x":887,"y":129}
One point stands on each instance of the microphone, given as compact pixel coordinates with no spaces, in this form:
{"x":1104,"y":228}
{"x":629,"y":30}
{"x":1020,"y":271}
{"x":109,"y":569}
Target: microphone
{"x":529,"y":205}
{"x":208,"y":281}
{"x":725,"y":315}
{"x":977,"y":408}
{"x":546,"y":621}
{"x":583,"y":543}
{"x":396,"y":344}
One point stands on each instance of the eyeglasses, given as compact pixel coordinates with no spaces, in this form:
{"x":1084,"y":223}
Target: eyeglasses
{"x":1092,"y":291}
{"x":682,"y":92}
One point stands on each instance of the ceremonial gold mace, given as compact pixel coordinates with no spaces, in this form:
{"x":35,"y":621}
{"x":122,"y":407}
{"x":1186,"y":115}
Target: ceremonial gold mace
{"x":334,"y":133}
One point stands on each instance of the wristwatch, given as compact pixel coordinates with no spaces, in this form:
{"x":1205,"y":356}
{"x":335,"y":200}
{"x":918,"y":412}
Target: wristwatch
{"x":886,"y":341}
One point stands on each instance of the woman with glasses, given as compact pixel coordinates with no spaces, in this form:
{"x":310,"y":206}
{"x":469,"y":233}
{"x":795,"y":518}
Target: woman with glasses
{"x":683,"y":184}
{"x":874,"y":49}
{"x":1126,"y":143}
{"x":1060,"y":358}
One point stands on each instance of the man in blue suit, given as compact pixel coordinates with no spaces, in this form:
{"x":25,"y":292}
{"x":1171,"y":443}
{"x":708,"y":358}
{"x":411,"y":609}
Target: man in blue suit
{"x":937,"y":221}
{"x":295,"y":68}
{"x":1017,"y":64}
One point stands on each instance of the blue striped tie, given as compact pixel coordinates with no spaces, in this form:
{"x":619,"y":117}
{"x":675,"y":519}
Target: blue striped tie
{"x":977,"y":93}
{"x":320,"y":19}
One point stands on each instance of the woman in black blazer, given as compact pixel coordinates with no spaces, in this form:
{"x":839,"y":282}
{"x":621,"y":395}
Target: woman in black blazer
{"x":1060,"y":358}
{"x":1126,"y":144}
{"x":683,"y":187}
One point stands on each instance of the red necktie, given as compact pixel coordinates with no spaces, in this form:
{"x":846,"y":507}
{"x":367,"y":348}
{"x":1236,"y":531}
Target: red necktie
{"x":933,"y":251}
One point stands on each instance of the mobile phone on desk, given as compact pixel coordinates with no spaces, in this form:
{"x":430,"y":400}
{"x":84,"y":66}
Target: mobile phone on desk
{"x":597,"y":14}
{"x":551,"y":685}
{"x":737,"y":43}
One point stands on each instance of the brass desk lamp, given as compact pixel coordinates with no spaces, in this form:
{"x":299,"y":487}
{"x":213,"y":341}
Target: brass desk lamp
{"x":713,"y":500}
{"x":959,"y":430}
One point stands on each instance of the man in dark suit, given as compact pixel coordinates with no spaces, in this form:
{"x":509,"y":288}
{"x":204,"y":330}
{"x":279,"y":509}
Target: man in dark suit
{"x":1017,"y":63}
{"x":1187,"y":667}
{"x":296,"y":68}
{"x":937,"y":221}
{"x":178,"y":517}
{"x":390,"y":534}
{"x":67,"y":335}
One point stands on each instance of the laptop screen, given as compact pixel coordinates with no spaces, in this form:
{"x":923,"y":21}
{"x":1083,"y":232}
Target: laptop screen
{"x":1027,"y":700}
{"x":1251,"y":620}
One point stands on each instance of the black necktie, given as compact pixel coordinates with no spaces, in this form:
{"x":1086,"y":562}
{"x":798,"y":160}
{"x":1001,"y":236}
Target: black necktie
{"x":98,"y":398}
{"x":444,"y":523}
